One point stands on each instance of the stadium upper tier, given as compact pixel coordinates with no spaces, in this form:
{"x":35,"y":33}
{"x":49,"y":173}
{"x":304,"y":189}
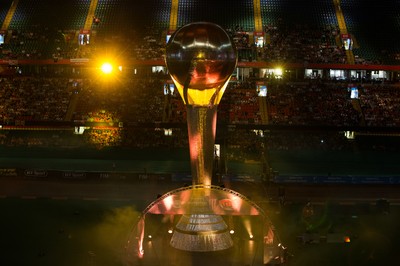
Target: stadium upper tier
{"x":294,"y":31}
{"x":375,"y":28}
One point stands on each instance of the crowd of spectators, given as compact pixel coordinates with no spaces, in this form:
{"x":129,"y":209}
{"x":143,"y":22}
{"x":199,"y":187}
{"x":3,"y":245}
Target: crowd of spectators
{"x":311,"y":39}
{"x":175,"y":109}
{"x":311,"y":103}
{"x":33,"y":99}
{"x":240,"y":105}
{"x":131,"y":45}
{"x":142,"y":99}
{"x":138,"y":100}
{"x":39,"y":42}
{"x":303,"y":44}
{"x":380,"y":105}
{"x":282,"y":44}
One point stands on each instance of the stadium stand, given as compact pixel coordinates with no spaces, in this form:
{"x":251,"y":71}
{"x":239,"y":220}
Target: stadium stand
{"x":373,"y":36}
{"x":313,"y":105}
{"x":232,"y":15}
{"x":48,"y":85}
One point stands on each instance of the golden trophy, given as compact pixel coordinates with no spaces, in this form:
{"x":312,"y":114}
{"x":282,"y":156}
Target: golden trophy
{"x":200,"y":58}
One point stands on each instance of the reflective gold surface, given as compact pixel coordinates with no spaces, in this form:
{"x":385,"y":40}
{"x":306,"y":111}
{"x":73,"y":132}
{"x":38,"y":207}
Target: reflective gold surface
{"x":200,"y":58}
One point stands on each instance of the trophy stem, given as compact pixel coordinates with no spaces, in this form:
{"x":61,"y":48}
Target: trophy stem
{"x":201,"y":122}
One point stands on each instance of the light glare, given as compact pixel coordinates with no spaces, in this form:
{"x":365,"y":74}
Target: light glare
{"x":278,"y":71}
{"x":106,"y":68}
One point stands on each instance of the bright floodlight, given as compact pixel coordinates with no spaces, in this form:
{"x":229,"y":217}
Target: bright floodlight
{"x":278,"y":71}
{"x":106,"y":68}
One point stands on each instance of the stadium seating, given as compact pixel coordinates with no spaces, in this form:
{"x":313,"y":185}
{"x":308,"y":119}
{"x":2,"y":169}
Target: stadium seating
{"x":286,"y":12}
{"x":4,"y":9}
{"x":228,"y":14}
{"x":380,"y":105}
{"x":33,"y":99}
{"x":48,"y":30}
{"x":373,"y":33}
{"x":311,"y":104}
{"x":126,"y":17}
